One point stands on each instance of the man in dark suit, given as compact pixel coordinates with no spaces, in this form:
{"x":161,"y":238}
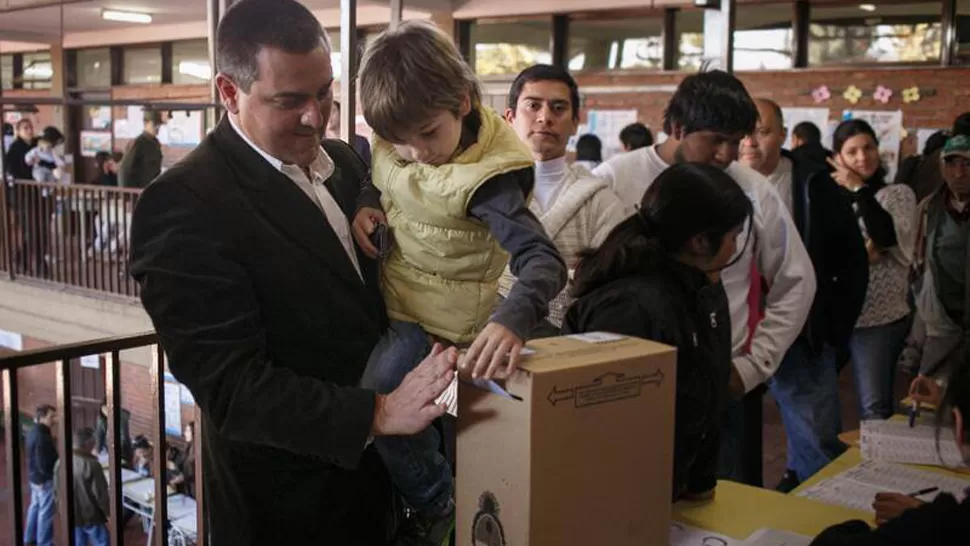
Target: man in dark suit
{"x":142,"y":161}
{"x":266,"y":309}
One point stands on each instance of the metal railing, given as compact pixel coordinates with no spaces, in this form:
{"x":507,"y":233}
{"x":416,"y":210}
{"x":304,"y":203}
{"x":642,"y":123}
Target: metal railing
{"x":62,"y":356}
{"x":73,"y":235}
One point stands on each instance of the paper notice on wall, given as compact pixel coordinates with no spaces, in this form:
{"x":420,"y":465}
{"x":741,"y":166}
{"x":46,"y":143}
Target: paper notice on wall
{"x":91,"y":361}
{"x":185,"y":396}
{"x":794,"y":116}
{"x":607,"y":124}
{"x":922,"y":135}
{"x":889,"y":129}
{"x":11,"y":340}
{"x":682,"y":534}
{"x":173,"y":409}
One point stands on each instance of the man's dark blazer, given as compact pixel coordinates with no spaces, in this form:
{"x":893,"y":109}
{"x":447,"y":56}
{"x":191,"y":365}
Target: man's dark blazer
{"x":264,"y":318}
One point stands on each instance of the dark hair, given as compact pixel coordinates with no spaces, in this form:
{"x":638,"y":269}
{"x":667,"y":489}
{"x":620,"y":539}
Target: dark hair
{"x":956,"y":395}
{"x":936,"y":141}
{"x":83,"y":436}
{"x":635,"y":136}
{"x":154,"y":117}
{"x":855,"y":127}
{"x":250,"y":25}
{"x":43,"y":411}
{"x":141,"y":443}
{"x":100,"y":159}
{"x":961,"y":125}
{"x":52,"y":134}
{"x":711,"y":101}
{"x":589,"y":148}
{"x":7,"y":129}
{"x":808,"y":132}
{"x":544,"y":72}
{"x":686,"y":200}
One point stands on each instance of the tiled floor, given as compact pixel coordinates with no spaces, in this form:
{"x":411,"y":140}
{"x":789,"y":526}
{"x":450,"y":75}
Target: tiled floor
{"x":774,"y":453}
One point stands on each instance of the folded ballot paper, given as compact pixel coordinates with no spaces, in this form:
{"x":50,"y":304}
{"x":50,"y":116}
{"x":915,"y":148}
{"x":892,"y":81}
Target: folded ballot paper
{"x":685,"y":535}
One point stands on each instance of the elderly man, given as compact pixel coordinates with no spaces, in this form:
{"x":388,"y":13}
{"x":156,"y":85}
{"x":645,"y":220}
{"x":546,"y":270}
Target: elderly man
{"x":942,"y":264}
{"x":806,"y":384}
{"x":267,"y":309}
{"x":577,"y":209}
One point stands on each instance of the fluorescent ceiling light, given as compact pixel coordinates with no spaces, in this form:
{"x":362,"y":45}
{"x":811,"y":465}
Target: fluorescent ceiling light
{"x":867,"y":7}
{"x":125,"y":16}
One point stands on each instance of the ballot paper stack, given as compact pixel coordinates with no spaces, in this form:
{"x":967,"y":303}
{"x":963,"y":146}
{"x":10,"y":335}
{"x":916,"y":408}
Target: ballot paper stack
{"x":897,"y":442}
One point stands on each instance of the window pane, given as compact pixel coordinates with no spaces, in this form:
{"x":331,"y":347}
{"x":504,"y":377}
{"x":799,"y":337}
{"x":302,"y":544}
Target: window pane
{"x":94,"y":67}
{"x":190,"y":62}
{"x":508,"y":47}
{"x":963,"y":31}
{"x":143,"y":65}
{"x":6,"y":71}
{"x":610,"y":44}
{"x":881,"y":33}
{"x":38,"y":70}
{"x":690,"y":39}
{"x":764,"y":38}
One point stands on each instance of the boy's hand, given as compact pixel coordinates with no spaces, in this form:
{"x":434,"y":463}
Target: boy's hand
{"x":892,"y":505}
{"x":365,"y":222}
{"x":487,"y":353}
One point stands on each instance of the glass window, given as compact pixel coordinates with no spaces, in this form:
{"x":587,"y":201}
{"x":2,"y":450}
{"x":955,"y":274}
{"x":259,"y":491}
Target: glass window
{"x":6,"y":71}
{"x":963,"y":32}
{"x":143,"y":65}
{"x":94,"y":67}
{"x":190,"y":62}
{"x":38,"y":70}
{"x":507,"y":47}
{"x":690,"y":39}
{"x":763,"y":39}
{"x":610,"y":44}
{"x":875,"y":33}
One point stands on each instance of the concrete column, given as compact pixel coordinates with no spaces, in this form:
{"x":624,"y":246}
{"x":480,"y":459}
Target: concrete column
{"x":348,"y":70}
{"x":397,"y":12}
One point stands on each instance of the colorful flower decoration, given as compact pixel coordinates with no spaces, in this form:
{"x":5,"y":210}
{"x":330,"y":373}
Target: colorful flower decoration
{"x":911,"y":94}
{"x":821,"y":94}
{"x":852,"y":94}
{"x":883,"y":94}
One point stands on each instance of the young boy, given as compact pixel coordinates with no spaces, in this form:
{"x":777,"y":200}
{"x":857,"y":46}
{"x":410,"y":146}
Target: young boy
{"x":452,"y":179}
{"x":44,"y":159}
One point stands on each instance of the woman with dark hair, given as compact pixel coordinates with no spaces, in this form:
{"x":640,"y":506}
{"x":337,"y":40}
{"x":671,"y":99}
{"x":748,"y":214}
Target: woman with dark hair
{"x":589,"y":151}
{"x":181,"y":463}
{"x":657,"y":276}
{"x":903,"y":519}
{"x":887,"y":218}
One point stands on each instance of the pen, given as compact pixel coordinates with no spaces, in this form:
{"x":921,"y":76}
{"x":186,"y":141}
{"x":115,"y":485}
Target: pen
{"x":913,"y":412}
{"x":922,"y":492}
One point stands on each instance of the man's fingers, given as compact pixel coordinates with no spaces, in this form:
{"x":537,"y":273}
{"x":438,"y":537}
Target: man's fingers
{"x":514,"y":356}
{"x":484,"y":358}
{"x":498,"y":358}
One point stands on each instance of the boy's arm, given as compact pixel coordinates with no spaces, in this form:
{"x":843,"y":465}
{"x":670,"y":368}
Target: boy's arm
{"x":369,"y":213}
{"x":534,"y":259}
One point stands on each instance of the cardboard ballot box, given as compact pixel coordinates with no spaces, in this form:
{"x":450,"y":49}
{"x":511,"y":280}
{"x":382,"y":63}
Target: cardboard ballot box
{"x":576,"y":449}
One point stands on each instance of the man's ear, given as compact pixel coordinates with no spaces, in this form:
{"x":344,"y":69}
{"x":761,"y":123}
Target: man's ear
{"x":509,"y":115}
{"x":466,"y":105}
{"x":229,"y":92}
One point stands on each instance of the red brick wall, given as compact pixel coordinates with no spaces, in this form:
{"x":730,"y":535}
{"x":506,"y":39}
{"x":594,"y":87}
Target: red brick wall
{"x":793,"y":88}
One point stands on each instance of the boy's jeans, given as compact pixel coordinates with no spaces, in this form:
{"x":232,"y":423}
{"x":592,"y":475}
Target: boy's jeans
{"x":40,"y":515}
{"x":91,"y":535}
{"x":417,"y":468}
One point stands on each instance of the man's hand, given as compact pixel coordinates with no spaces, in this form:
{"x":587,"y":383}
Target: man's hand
{"x":365,"y":222}
{"x":925,"y":390}
{"x":892,"y":505}
{"x":411,"y":408}
{"x":487,"y":354}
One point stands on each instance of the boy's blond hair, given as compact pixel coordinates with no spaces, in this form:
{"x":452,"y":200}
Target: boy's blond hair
{"x":410,"y":74}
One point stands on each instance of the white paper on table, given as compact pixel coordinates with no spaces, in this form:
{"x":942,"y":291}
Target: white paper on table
{"x":896,"y":442}
{"x":685,"y":535}
{"x":774,"y":537}
{"x":856,"y":487}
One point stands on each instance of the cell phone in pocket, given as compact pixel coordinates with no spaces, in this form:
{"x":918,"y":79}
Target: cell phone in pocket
{"x":381,"y":240}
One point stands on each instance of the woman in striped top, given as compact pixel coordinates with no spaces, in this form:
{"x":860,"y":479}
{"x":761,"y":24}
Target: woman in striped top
{"x":887,"y":218}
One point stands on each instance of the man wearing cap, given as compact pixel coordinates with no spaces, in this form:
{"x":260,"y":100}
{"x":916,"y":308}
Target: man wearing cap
{"x":942,"y":267}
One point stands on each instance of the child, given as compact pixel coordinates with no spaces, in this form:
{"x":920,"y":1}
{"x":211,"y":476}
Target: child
{"x":143,"y":456}
{"x":46,"y":161}
{"x":452,"y":179}
{"x":941,"y":522}
{"x":657,"y":276}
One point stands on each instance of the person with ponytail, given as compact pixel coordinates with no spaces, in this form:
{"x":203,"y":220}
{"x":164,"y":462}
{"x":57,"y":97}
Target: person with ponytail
{"x":945,"y":520}
{"x":657,"y":276}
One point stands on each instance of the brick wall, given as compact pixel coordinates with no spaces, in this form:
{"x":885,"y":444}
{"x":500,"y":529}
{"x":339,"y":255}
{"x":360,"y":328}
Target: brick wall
{"x":793,"y":88}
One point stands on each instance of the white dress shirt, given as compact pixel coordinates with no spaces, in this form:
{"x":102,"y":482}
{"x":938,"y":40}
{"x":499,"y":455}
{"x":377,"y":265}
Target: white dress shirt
{"x":321,"y":169}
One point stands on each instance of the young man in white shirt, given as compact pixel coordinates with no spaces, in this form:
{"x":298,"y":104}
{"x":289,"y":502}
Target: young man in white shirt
{"x":577,"y":209}
{"x":706,"y":119}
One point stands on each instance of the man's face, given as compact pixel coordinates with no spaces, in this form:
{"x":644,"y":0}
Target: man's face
{"x":435,"y":141}
{"x":49,"y":420}
{"x":25,"y":131}
{"x":762,"y":150}
{"x":956,"y":174}
{"x":287,"y":108}
{"x":543,"y":118}
{"x":710,"y":147}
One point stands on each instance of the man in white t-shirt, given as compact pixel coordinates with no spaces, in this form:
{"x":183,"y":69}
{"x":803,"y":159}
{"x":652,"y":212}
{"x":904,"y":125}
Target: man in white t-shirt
{"x":706,"y":119}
